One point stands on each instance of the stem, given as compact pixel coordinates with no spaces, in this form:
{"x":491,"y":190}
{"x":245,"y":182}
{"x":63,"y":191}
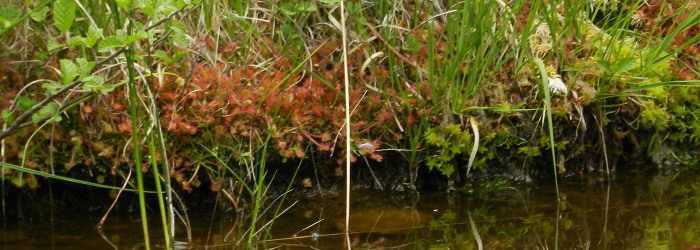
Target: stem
{"x":133,"y":112}
{"x":159,"y":191}
{"x":348,"y":150}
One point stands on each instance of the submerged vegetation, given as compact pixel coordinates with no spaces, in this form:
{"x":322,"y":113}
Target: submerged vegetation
{"x":223,"y":94}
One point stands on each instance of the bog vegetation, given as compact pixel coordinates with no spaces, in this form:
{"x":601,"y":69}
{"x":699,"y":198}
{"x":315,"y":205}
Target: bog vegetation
{"x":185,"y":94}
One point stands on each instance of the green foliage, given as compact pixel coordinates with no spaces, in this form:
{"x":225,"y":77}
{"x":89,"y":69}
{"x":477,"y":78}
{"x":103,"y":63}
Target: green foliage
{"x":70,"y":70}
{"x":7,"y":117}
{"x":661,"y":68}
{"x":124,"y":4}
{"x":445,"y":144}
{"x":50,"y":109}
{"x":622,"y":66}
{"x":40,"y":13}
{"x":52,"y":45}
{"x":412,"y":44}
{"x":25,"y":103}
{"x":120,"y":39}
{"x":63,"y":14}
{"x":291,"y":9}
{"x":530,"y":151}
{"x":9,"y":15}
{"x":175,"y":58}
{"x":494,"y":186}
{"x":654,"y":116}
{"x":97,"y":83}
{"x":178,"y":33}
{"x":88,"y":41}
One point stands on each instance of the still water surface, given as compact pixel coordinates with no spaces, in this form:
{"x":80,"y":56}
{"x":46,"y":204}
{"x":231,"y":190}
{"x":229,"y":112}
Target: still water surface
{"x":660,"y":211}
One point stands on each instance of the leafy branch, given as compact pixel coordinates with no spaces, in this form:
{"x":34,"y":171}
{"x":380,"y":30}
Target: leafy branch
{"x":20,"y":121}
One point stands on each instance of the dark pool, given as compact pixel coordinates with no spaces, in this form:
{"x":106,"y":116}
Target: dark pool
{"x":657,"y":211}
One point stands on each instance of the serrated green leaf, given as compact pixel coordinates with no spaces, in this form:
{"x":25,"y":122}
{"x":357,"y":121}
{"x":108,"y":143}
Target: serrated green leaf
{"x":7,"y":116}
{"x":135,"y":37}
{"x":163,"y":56}
{"x":412,"y":44}
{"x":52,"y":87}
{"x":97,"y":83}
{"x":182,"y":3}
{"x":108,"y":43}
{"x":177,"y":57}
{"x":180,"y":39}
{"x":9,"y":15}
{"x":52,"y":45}
{"x":76,"y":41}
{"x":39,"y":14}
{"x":84,"y":66}
{"x":92,"y":36}
{"x":306,"y":6}
{"x":25,"y":103}
{"x":68,"y":71}
{"x":288,"y":9}
{"x":124,"y":4}
{"x":178,"y":36}
{"x":138,"y":25}
{"x":625,"y":65}
{"x":63,"y":14}
{"x":48,"y":110}
{"x":148,"y":10}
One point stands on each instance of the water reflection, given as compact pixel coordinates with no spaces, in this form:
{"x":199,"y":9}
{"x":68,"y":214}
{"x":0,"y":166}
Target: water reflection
{"x":650,"y":212}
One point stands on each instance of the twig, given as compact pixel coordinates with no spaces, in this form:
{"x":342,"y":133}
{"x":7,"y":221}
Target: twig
{"x":348,"y":151}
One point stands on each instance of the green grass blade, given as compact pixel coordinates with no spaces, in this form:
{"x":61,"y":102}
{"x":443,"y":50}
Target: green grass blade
{"x":63,"y":178}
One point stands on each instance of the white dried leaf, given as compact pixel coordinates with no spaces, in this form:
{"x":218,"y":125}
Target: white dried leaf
{"x":557,"y":86}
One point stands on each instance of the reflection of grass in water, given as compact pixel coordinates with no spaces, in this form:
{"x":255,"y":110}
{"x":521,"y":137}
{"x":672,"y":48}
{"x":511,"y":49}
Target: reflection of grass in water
{"x":386,"y":221}
{"x":476,"y":44}
{"x":675,"y":223}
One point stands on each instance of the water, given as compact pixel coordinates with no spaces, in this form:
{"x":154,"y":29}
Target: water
{"x":660,"y":211}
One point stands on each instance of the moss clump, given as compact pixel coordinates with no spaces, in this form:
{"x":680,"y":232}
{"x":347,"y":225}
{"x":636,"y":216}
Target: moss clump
{"x":654,"y":116}
{"x":444,"y":144}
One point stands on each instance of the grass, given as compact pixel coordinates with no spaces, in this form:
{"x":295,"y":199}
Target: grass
{"x":225,"y":90}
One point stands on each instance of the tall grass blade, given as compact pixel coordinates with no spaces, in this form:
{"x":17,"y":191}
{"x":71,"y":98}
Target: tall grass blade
{"x":550,"y":127}
{"x":136,"y":142}
{"x":61,"y":178}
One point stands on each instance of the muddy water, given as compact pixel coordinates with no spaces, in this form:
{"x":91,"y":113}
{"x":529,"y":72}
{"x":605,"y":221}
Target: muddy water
{"x":660,"y":211}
